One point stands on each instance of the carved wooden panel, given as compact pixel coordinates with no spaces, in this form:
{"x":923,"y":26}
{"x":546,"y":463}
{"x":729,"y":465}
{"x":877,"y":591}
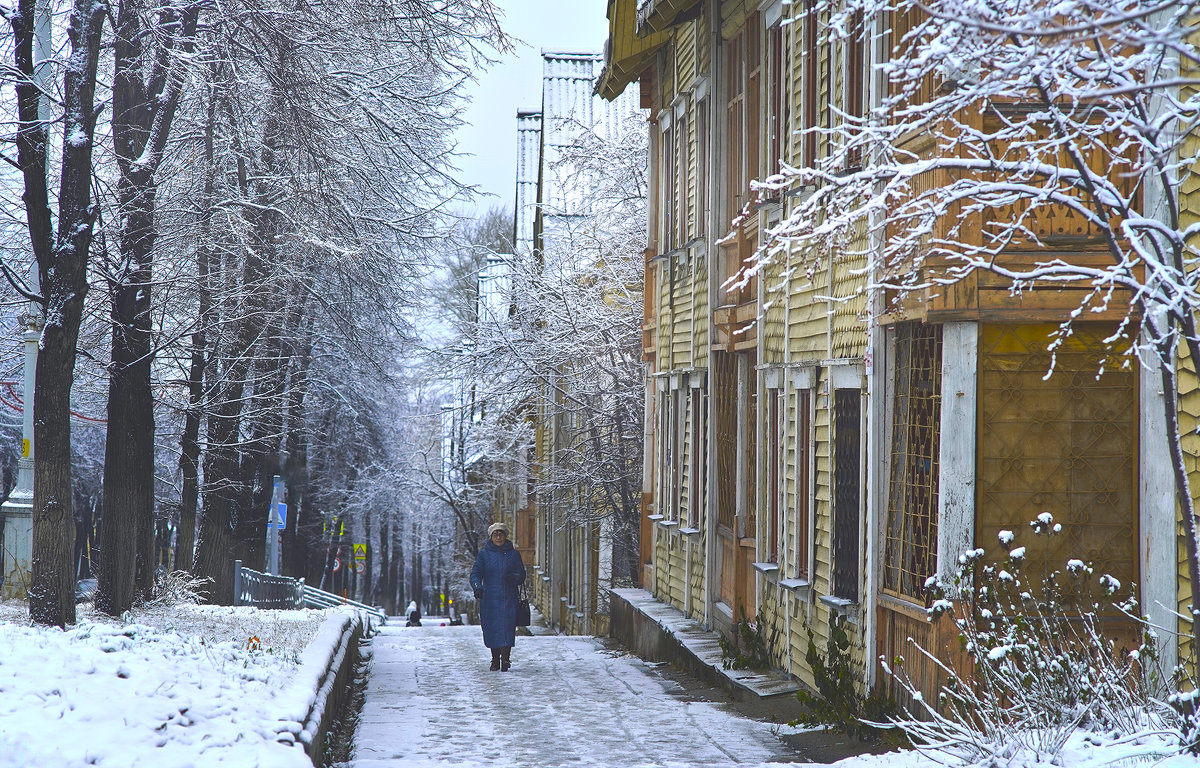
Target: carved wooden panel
{"x":1064,"y":444}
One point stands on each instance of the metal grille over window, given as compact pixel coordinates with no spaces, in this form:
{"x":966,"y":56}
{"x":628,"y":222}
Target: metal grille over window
{"x":911,"y":554}
{"x":846,"y":493}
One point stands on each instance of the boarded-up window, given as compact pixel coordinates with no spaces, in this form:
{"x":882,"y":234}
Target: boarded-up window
{"x":911,"y":549}
{"x":847,"y":492}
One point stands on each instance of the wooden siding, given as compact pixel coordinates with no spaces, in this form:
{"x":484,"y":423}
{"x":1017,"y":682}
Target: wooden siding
{"x":1189,"y":423}
{"x":627,"y":54}
{"x":1189,"y":385}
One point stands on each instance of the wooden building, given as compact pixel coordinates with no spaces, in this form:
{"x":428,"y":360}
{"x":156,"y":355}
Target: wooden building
{"x":566,"y":550}
{"x":817,"y":451}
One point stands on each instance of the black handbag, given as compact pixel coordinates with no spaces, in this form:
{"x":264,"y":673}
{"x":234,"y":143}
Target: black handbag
{"x":523,"y":617}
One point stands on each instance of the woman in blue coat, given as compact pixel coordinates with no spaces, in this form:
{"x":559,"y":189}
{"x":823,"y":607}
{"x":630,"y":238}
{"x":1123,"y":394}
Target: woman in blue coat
{"x":497,"y":573}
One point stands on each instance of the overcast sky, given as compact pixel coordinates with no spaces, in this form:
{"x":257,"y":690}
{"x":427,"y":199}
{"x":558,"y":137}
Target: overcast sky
{"x":515,"y":82}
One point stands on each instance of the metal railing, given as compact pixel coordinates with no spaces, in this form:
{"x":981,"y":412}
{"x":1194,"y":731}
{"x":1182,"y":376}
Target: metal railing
{"x":319,"y":598}
{"x":265,"y":590}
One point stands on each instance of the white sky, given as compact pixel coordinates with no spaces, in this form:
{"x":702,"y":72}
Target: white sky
{"x":515,"y":82}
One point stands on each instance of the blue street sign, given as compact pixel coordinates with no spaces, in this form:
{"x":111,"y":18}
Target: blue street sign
{"x":282,"y":515}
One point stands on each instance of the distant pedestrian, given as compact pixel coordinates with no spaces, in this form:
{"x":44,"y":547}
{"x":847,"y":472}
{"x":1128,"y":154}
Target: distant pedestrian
{"x":414,"y":615}
{"x":497,"y":573}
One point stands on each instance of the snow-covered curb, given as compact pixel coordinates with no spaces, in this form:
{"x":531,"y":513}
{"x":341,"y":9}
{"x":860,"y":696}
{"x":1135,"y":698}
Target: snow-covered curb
{"x":323,"y":679}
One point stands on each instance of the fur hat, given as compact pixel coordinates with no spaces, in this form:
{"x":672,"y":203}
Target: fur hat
{"x":497,"y":527}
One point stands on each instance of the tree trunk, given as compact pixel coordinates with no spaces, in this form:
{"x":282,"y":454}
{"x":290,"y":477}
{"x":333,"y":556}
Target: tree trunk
{"x":189,"y":443}
{"x":127,"y":543}
{"x":62,"y":268}
{"x":384,"y":585}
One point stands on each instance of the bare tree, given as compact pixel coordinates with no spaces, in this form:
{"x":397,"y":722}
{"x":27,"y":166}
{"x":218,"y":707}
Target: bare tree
{"x":1031,"y":111}
{"x":151,"y":47}
{"x":62,"y":249}
{"x":566,"y":337}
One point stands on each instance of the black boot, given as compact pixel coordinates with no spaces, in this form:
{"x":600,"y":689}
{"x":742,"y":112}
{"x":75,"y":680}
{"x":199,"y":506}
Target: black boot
{"x":504,"y":663}
{"x":495,"y":659}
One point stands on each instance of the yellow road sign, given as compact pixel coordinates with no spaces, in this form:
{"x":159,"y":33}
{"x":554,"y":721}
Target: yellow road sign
{"x":360,"y":551}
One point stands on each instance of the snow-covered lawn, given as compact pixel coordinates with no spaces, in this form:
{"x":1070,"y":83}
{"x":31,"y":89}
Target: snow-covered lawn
{"x":175,"y":686}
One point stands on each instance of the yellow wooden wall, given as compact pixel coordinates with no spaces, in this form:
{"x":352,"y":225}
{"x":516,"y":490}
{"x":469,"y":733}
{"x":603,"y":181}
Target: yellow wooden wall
{"x":1189,"y":386}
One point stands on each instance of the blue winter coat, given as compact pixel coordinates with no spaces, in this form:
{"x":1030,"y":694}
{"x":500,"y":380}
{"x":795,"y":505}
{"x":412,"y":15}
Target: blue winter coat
{"x":498,"y":571}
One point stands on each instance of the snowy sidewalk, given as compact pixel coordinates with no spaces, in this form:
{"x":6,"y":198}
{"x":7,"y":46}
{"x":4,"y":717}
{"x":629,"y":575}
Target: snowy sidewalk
{"x":432,"y":701}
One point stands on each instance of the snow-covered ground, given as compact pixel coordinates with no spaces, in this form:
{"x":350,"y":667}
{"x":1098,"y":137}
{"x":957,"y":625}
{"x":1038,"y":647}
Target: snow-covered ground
{"x":187,"y":686}
{"x":174,"y":687}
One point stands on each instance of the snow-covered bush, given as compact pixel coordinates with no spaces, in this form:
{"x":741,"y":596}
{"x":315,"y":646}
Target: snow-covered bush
{"x":178,"y":587}
{"x":1048,"y":657}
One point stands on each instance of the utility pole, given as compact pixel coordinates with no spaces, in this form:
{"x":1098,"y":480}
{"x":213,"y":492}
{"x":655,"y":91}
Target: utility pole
{"x":17,"y":557}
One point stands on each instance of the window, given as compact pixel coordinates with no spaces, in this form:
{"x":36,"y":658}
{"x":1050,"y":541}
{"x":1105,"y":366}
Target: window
{"x":669,"y":180}
{"x":847,"y":492}
{"x":743,"y":118}
{"x":772,"y":472}
{"x":735,"y":125}
{"x":699,"y":459}
{"x":748,"y":377}
{"x":810,"y":84}
{"x":724,"y":407}
{"x":776,"y":122}
{"x":804,"y":457}
{"x":678,"y":424}
{"x":911,"y":533}
{"x":682,"y":191}
{"x":701,"y":190}
{"x":856,"y":78}
{"x":663,"y":496}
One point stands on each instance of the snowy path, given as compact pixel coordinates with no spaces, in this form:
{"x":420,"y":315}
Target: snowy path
{"x":432,"y":701}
